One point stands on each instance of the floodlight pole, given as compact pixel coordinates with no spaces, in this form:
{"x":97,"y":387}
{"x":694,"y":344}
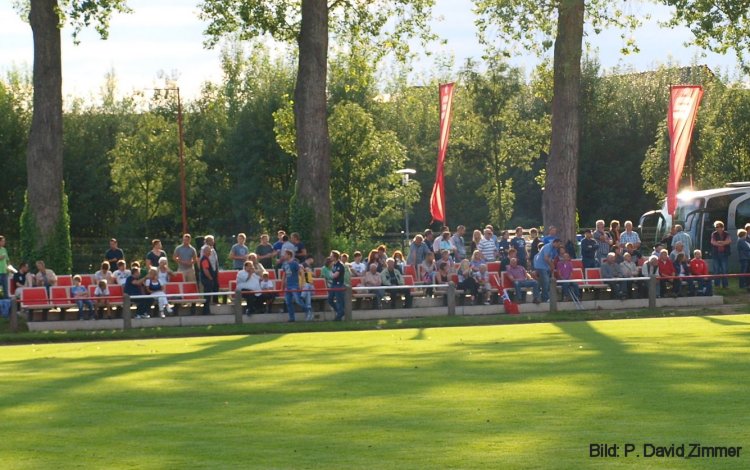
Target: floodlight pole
{"x":405,"y":180}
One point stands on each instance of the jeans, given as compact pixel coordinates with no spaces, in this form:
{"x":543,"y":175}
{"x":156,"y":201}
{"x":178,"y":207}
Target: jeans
{"x":4,"y":286}
{"x":336,"y":301}
{"x":705,"y":287}
{"x":590,"y":263}
{"x":571,"y":290}
{"x":744,"y":265}
{"x":543,"y":279}
{"x":89,"y":306}
{"x":307,"y":293}
{"x":292,"y":298}
{"x":520,"y":293}
{"x":721,"y":266}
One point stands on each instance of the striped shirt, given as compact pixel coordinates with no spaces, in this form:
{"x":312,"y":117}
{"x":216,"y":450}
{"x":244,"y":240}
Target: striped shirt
{"x":487,"y":248}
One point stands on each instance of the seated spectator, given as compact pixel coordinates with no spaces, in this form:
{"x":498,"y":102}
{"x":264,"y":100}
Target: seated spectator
{"x":610,"y":270}
{"x":164,"y":273}
{"x":682,"y":270}
{"x":483,"y":281}
{"x":392,"y":277}
{"x":398,"y":257}
{"x":628,"y":269}
{"x":445,"y":257}
{"x":80,"y":295}
{"x":635,"y":255}
{"x":155,"y":289}
{"x":102,"y":300}
{"x":44,"y":277}
{"x":617,"y":250}
{"x":441,"y":274}
{"x":372,"y":279}
{"x":248,"y":282}
{"x":476,"y":261}
{"x":466,"y":281}
{"x":650,"y":269}
{"x":22,"y":279}
{"x":269,"y":291}
{"x":679,"y":248}
{"x":522,"y":280}
{"x":427,"y":269}
{"x":445,"y":243}
{"x":134,"y":286}
{"x":121,"y":274}
{"x":698,"y":267}
{"x":565,"y":273}
{"x":358,"y":267}
{"x":104,"y":274}
{"x":666,"y":270}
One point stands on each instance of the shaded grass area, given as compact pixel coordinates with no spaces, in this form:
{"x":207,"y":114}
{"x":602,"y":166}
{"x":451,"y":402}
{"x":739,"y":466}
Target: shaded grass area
{"x":27,"y":337}
{"x":504,"y":396}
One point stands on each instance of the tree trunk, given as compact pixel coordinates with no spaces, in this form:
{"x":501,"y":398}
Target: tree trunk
{"x":44,"y":159}
{"x":559,"y":199}
{"x":310,"y":112}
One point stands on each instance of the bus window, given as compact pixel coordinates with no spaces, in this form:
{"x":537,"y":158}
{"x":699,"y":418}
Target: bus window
{"x":717,"y":208}
{"x":742,"y":216}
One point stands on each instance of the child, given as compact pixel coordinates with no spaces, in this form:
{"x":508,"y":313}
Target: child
{"x":156,"y":289}
{"x":102,"y":298}
{"x":306,"y":273}
{"x":165,"y":274}
{"x":483,"y":279}
{"x":358,"y":267}
{"x":81,"y":295}
{"x":268,"y":296}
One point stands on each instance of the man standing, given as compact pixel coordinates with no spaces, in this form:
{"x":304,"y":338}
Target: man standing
{"x":208,"y":277}
{"x":186,"y":257}
{"x":684,"y":237}
{"x":604,"y":240}
{"x":629,"y":236}
{"x":239,"y":251}
{"x":292,"y":292}
{"x":488,"y":247}
{"x":519,"y":243}
{"x":336,"y":292}
{"x":589,"y":248}
{"x":3,"y":269}
{"x":114,"y":254}
{"x":544,"y":265}
{"x":417,"y":251}
{"x":458,"y":242}
{"x":265,"y":252}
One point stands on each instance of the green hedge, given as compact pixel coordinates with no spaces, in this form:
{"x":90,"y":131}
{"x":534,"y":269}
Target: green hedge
{"x":56,"y":251}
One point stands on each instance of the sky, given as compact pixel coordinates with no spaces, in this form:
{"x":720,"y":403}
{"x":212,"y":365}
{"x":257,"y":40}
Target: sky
{"x":166,"y":36}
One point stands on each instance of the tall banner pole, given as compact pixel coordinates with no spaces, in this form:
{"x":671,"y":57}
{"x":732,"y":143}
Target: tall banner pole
{"x":437,"y":199}
{"x":683,"y":110}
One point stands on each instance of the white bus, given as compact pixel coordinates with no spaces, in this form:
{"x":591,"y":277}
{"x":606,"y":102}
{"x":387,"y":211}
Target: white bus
{"x":696,"y":212}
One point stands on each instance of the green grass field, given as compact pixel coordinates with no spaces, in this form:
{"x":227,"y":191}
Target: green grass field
{"x":504,"y":396}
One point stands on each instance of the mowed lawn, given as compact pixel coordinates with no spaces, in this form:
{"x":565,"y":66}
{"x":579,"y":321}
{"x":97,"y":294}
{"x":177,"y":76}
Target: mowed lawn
{"x":514,"y":396}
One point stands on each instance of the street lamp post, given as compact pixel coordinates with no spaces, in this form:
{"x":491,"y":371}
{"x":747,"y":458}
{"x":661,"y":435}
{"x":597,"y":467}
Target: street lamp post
{"x":405,"y":181}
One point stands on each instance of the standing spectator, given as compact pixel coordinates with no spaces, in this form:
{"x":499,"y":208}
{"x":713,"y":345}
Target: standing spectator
{"x":522,"y":280}
{"x":3,"y":269}
{"x":476,"y":237}
{"x":429,"y":240}
{"x":239,"y":251}
{"x":156,"y":253}
{"x":417,"y":252}
{"x":265,"y":252}
{"x":208,"y":277}
{"x":503,"y":245}
{"x":684,"y":237}
{"x":589,"y":249}
{"x":519,"y":243}
{"x":629,"y":236}
{"x":44,"y":277}
{"x":698,"y":267}
{"x":535,"y":241}
{"x":306,"y":272}
{"x":721,"y":244}
{"x":392,"y":277}
{"x":614,"y":232}
{"x":551,"y":235}
{"x":277,"y":246}
{"x":299,"y":248}
{"x":186,"y":258}
{"x":336,"y":293}
{"x":114,"y":254}
{"x":446,"y":244}
{"x":459,"y":244}
{"x":743,"y":253}
{"x":292,"y":293}
{"x":488,"y":247}
{"x":544,"y":265}
{"x":80,"y":295}
{"x":604,"y":240}
{"x":667,"y":240}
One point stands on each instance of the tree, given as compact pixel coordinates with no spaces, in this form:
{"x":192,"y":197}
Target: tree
{"x":15,"y":114}
{"x":523,"y":21}
{"x":307,"y":23}
{"x":144,"y":170}
{"x":45,"y":147}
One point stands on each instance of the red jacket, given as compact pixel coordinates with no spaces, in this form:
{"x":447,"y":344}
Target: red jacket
{"x":666,"y":268}
{"x":698,"y":267}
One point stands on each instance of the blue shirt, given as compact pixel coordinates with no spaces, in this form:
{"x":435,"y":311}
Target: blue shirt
{"x":291,"y":271}
{"x":539,"y":260}
{"x":338,"y":281}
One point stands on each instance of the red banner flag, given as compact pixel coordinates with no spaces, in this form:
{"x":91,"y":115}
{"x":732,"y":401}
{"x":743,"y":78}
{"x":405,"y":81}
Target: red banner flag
{"x":683,"y":108}
{"x":437,"y":200}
